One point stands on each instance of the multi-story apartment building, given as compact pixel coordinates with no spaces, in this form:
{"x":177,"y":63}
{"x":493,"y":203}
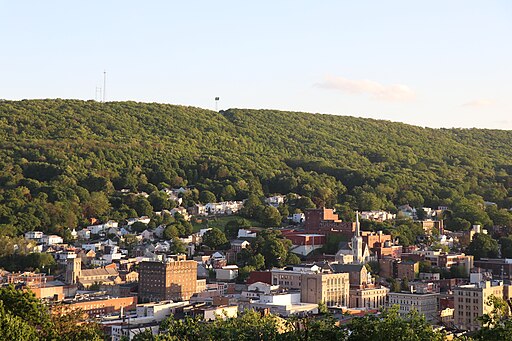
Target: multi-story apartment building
{"x":315,"y":284}
{"x":329,"y":288}
{"x":371,"y":297}
{"x":471,"y":302}
{"x":173,"y":279}
{"x":424,"y":303}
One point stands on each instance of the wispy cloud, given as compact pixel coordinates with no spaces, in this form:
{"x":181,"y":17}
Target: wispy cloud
{"x":392,"y":92}
{"x":478,"y":103}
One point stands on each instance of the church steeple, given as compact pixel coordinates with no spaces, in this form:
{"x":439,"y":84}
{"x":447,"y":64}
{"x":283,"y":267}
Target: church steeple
{"x":358,"y":230}
{"x":357,"y":243}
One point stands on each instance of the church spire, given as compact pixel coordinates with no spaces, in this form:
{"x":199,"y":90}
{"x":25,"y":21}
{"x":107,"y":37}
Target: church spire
{"x":358,"y":232}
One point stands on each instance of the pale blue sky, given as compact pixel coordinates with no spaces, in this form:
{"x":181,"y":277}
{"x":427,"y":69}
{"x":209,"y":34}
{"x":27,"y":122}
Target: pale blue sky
{"x":434,"y":63}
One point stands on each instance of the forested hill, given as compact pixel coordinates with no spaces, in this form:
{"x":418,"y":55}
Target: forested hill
{"x":68,"y":149}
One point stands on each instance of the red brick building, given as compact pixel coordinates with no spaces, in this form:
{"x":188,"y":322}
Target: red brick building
{"x":373,"y":239}
{"x":175,"y":279}
{"x":99,"y":306}
{"x":260,"y":276}
{"x":298,"y":238}
{"x":325,"y":221}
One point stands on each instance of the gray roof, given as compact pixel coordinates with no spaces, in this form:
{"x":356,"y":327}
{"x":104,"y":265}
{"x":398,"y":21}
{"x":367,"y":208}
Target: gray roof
{"x":347,"y":267}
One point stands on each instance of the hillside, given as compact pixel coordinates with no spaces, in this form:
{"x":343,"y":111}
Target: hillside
{"x":68,"y":149}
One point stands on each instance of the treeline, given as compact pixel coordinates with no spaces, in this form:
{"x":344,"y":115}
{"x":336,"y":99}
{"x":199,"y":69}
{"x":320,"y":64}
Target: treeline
{"x":63,"y":161}
{"x":24,"y":318}
{"x":387,"y":325}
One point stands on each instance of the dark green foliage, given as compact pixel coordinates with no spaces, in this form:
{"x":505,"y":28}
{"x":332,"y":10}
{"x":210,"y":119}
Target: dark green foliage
{"x":270,"y":216}
{"x":483,"y":246}
{"x":21,"y":314}
{"x":252,"y":326}
{"x":496,"y":325}
{"x":207,"y":197}
{"x":55,"y":153}
{"x":506,"y":247}
{"x":232,"y":227}
{"x":332,"y":244}
{"x":214,"y":238}
{"x":391,"y":326}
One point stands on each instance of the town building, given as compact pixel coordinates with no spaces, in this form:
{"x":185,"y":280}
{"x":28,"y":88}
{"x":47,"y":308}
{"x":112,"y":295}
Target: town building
{"x":471,"y":302}
{"x":97,"y":305}
{"x":316,"y":284}
{"x":375,"y":239}
{"x":500,"y":268}
{"x":325,"y":221}
{"x":329,"y":288}
{"x":424,"y":303}
{"x":107,"y":275}
{"x":371,"y":297}
{"x":172,"y":279}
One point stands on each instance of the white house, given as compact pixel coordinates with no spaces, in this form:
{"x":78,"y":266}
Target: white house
{"x":143,"y":219}
{"x":74,"y":234}
{"x":182,"y":211}
{"x":224,"y":207}
{"x":227,"y":273}
{"x":408,"y":211}
{"x":297,"y":218}
{"x":246,"y":234}
{"x":377,"y":215}
{"x":84,"y":234}
{"x":159,"y":231}
{"x":52,"y":239}
{"x":34,"y":235}
{"x":255,"y":290}
{"x":275,"y":200}
{"x":222,"y":312}
{"x":95,"y":247}
{"x":97,"y":229}
{"x":147,"y":235}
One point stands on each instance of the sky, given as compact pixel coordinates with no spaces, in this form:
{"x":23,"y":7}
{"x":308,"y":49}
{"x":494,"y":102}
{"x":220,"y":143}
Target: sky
{"x":433,"y":63}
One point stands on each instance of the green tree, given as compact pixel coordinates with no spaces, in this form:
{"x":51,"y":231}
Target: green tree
{"x":292,"y":259}
{"x":231,"y":228}
{"x":159,"y":201}
{"x":274,"y":252}
{"x":177,"y":246}
{"x":483,"y":246}
{"x":142,"y":206}
{"x":214,"y":238}
{"x":15,"y":328}
{"x":228,"y":193}
{"x":391,"y":326}
{"x":506,"y":247}
{"x":138,"y":227}
{"x":206,"y":197}
{"x":270,"y":216}
{"x":404,"y":285}
{"x":257,"y":261}
{"x":97,"y":205}
{"x":171,"y":232}
{"x":496,"y":325}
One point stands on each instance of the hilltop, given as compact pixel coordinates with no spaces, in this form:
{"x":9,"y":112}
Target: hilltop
{"x":61,"y":147}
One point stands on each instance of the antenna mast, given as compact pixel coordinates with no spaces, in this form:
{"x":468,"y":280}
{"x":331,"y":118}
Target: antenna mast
{"x":104,"y":84}
{"x":98,"y":95}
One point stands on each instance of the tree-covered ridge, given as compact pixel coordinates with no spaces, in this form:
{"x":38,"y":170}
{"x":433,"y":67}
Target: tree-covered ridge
{"x":61,"y":156}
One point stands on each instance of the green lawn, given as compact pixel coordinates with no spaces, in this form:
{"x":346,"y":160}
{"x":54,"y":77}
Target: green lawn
{"x":220,"y":222}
